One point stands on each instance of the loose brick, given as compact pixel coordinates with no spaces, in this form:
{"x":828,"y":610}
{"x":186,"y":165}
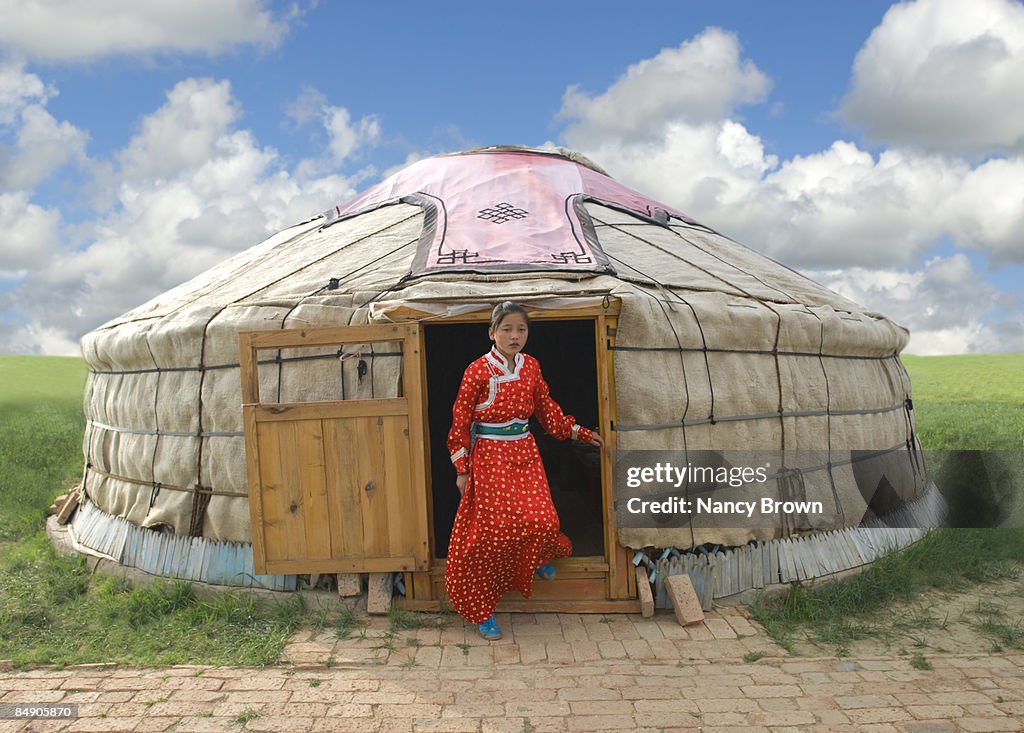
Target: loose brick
{"x":644,"y":591}
{"x":684,"y":599}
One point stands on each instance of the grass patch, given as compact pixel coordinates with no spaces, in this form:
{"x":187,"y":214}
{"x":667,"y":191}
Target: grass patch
{"x":245,"y":716}
{"x":54,"y":612}
{"x":347,"y":622}
{"x":836,"y":613}
{"x":402,"y":620}
{"x":919,"y":662}
{"x":994,"y":625}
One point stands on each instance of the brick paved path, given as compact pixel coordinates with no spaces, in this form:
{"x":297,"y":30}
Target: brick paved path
{"x":552,"y":672}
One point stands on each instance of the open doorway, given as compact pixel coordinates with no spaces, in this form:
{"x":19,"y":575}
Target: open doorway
{"x":566,"y":351}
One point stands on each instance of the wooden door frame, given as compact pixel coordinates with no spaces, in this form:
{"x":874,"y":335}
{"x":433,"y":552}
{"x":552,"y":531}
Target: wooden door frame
{"x":614,"y":569}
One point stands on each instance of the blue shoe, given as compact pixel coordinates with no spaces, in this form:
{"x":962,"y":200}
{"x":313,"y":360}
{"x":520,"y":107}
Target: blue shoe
{"x":489,"y":629}
{"x":546,"y":571}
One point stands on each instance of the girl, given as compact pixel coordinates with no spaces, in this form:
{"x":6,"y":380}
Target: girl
{"x":506,"y":527}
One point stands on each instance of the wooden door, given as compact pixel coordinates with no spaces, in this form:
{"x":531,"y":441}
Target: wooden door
{"x":336,"y":486}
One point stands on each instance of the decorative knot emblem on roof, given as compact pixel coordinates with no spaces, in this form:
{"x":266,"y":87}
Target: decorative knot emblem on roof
{"x":500,"y":213}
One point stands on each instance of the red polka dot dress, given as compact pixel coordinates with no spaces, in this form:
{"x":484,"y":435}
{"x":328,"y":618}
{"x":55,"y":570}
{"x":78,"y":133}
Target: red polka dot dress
{"x":506,"y":526}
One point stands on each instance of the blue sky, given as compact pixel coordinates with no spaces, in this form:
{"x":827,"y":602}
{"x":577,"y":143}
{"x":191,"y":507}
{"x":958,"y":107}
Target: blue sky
{"x":877,"y":147}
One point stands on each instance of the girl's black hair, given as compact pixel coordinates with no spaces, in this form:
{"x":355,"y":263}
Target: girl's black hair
{"x":504,"y":309}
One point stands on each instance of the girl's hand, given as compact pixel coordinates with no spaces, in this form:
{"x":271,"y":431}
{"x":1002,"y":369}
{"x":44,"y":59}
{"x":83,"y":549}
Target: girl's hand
{"x":460,"y":483}
{"x":597,"y":440}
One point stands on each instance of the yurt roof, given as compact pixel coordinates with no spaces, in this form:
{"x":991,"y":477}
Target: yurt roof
{"x":550,"y":217}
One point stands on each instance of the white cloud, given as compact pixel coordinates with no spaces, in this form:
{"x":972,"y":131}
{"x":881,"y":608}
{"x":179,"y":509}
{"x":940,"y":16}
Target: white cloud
{"x":987,"y":210}
{"x":703,"y":80}
{"x":943,"y":75}
{"x":345,"y":135}
{"x":43,"y":146}
{"x":184,"y":133}
{"x":948,"y":307}
{"x":191,"y":189}
{"x":70,"y":30}
{"x":18,"y":90}
{"x":33,"y":144}
{"x":30,"y":233}
{"x":843,"y":205}
{"x":876,"y":215}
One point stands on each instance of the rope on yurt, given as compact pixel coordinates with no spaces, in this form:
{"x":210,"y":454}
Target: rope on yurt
{"x":765,"y":352}
{"x":215,"y":367}
{"x":914,"y":456}
{"x":200,"y":506}
{"x":194,"y":524}
{"x":331,"y":286}
{"x":686,"y":407}
{"x":913,"y":444}
{"x":165,"y":486}
{"x":168,"y":433}
{"x":156,"y":422}
{"x":203,"y":502}
{"x":828,"y":416}
{"x":707,"y":272}
{"x":696,"y":320}
{"x":88,"y":440}
{"x":762,"y":416}
{"x":682,"y":362}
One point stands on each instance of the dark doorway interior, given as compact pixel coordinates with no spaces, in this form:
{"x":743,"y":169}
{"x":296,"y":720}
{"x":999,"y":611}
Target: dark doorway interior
{"x":567,"y":354}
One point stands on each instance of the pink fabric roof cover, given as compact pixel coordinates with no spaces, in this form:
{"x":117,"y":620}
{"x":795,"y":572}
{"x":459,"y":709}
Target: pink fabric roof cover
{"x":506,"y":211}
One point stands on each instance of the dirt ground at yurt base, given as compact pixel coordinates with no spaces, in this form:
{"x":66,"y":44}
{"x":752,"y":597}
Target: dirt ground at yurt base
{"x":979,"y":619}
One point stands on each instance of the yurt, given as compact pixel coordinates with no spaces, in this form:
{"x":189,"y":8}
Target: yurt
{"x":282,"y":416}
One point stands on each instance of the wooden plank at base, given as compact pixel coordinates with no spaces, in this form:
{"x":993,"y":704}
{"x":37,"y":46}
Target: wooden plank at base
{"x":613,"y":606}
{"x":422,"y":587}
{"x":368,"y":565}
{"x":645,"y":595}
{"x":545,"y":590}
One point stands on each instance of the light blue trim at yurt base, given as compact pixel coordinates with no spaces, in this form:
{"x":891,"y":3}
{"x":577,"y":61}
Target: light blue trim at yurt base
{"x":723,"y":573}
{"x":188,"y":558}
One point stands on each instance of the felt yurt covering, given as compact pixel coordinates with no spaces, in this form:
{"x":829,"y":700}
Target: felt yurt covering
{"x":717,"y":347}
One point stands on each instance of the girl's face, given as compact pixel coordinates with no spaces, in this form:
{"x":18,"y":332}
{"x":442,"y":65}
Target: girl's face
{"x":510,"y":335}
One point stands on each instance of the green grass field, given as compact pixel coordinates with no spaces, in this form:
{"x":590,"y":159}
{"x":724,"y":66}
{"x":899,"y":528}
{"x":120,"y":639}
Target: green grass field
{"x":969,"y":402}
{"x":53,"y":611}
{"x":41,"y":428}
